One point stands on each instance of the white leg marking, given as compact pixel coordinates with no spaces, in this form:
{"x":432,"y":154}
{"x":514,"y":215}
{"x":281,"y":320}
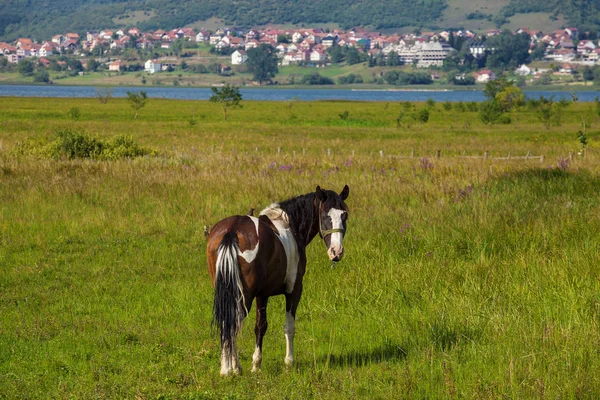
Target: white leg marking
{"x":225,"y":360}
{"x":235,"y":362}
{"x":289,"y":330}
{"x":256,"y":359}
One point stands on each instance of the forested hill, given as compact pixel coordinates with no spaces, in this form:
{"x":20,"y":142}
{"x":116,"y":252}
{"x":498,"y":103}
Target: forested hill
{"x":41,"y":19}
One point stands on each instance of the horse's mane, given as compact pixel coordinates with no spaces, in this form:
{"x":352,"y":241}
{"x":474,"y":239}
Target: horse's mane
{"x":300,"y":213}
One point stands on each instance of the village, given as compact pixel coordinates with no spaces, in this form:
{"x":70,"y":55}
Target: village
{"x":309,"y":47}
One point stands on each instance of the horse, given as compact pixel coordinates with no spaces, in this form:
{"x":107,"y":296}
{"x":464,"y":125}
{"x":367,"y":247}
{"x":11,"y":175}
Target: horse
{"x":259,"y":257}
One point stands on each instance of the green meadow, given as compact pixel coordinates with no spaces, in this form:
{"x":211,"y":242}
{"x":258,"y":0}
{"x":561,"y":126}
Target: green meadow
{"x":464,"y":276}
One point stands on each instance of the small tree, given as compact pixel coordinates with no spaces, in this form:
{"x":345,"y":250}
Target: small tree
{"x":137,"y":100}
{"x":104,"y":94}
{"x":228,"y":96}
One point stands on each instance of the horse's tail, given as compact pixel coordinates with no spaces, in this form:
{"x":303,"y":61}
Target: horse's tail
{"x":229,"y":309}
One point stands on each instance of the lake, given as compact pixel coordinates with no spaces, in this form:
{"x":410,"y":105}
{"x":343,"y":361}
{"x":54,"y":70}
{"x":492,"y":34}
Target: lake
{"x":281,"y":94}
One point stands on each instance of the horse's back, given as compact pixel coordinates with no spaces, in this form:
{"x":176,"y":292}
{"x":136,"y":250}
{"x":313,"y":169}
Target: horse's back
{"x":261,"y":256}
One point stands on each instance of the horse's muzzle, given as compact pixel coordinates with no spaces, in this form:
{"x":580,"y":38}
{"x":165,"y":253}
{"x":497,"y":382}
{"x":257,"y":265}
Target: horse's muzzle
{"x":335,"y":253}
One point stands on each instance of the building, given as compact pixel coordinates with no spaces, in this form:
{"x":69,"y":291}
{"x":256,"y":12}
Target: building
{"x":152,"y":66}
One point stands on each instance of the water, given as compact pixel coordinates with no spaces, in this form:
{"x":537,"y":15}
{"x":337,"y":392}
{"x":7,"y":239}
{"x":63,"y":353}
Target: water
{"x":278,"y":94}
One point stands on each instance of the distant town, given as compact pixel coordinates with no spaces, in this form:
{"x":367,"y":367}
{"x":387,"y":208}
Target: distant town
{"x":567,"y":49}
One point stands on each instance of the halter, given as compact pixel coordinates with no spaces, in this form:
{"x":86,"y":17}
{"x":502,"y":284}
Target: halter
{"x":328,"y":231}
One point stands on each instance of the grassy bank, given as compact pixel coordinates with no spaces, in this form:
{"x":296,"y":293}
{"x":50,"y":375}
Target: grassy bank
{"x":463,"y":277}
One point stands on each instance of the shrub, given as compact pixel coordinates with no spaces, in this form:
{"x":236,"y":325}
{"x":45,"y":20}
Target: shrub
{"x":77,"y":144}
{"x":74,"y":113}
{"x":490,"y":112}
{"x":315,"y":79}
{"x":423,"y":115}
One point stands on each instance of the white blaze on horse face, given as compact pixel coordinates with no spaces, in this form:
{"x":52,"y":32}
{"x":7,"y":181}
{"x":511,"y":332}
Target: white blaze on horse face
{"x":336,"y":248}
{"x":250,"y":255}
{"x":280,"y":219}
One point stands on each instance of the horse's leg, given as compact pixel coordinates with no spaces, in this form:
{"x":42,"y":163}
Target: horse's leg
{"x":260,"y":329}
{"x":236,"y":368}
{"x":291,"y":304}
{"x":225,"y":358}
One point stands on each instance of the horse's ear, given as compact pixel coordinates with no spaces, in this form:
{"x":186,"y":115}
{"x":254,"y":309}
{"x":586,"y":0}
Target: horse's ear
{"x":320,"y":194}
{"x":345,"y":192}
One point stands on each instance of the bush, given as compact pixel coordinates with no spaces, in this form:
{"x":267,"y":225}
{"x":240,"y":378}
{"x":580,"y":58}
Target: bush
{"x":74,"y":113}
{"x":423,"y":115}
{"x":490,"y":112}
{"x":315,"y":79}
{"x":77,"y":144}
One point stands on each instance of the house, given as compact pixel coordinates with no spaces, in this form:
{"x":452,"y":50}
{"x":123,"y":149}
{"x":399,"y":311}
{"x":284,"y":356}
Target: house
{"x":523,"y":70}
{"x":297,"y":37}
{"x":318,"y":55}
{"x":143,"y":43}
{"x":116,"y":65}
{"x":202,"y":36}
{"x":328,"y":41}
{"x":215,"y":38}
{"x":239,"y":57}
{"x":24,"y":42}
{"x":585,"y":47}
{"x":251,"y":44}
{"x":484,"y":76}
{"x":477,"y":48}
{"x":58,"y":39}
{"x":566,"y":69}
{"x":106,"y":34}
{"x":13,"y":58}
{"x":134,"y":32}
{"x":152,"y":66}
{"x":72,"y":36}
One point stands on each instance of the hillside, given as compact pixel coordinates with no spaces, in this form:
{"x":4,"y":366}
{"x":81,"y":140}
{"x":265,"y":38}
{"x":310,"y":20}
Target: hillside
{"x":49,"y":17}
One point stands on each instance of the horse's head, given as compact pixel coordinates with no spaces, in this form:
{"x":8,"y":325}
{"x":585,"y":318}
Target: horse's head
{"x":333,"y":214}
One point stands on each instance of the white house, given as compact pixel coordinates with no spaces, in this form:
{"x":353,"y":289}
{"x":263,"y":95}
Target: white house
{"x":239,"y":57}
{"x":317,"y":55}
{"x":484,"y":76}
{"x":152,"y":66}
{"x":523,"y":70}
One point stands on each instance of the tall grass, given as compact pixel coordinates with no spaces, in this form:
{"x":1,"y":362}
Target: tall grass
{"x":463,"y":278}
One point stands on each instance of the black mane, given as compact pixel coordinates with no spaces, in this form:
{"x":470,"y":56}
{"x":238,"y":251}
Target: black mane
{"x":303,"y":217}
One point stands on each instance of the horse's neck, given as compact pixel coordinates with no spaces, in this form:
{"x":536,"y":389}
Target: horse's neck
{"x":304,"y":224}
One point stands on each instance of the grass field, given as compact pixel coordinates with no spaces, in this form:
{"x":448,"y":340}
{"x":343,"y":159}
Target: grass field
{"x":463,"y":277}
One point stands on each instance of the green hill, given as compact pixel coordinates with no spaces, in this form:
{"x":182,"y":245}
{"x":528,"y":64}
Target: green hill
{"x":45,"y":18}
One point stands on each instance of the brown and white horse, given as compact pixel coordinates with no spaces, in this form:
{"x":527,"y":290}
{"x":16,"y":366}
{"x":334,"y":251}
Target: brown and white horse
{"x":251,"y":257}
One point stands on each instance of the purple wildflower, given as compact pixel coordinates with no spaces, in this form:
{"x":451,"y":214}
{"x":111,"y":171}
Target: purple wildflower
{"x":563,"y":164}
{"x":426,"y":164}
{"x":285,"y":167}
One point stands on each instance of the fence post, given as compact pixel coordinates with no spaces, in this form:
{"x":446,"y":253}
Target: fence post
{"x":485,"y":155}
{"x":412,"y":153}
{"x":438,"y":154}
{"x":380,"y":153}
{"x":328,"y":152}
{"x":542,"y":158}
{"x":527,"y":156}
